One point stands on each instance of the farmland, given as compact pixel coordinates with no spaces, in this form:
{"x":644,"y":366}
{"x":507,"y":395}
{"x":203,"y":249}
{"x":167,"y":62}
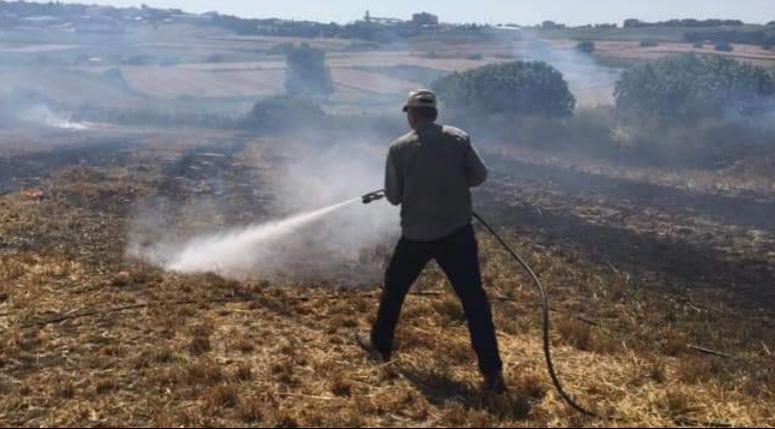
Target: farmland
{"x":660,"y":277}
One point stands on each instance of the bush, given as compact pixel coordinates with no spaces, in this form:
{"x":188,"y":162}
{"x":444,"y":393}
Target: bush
{"x":692,"y":87}
{"x":523,"y":88}
{"x":280,"y":49}
{"x":698,"y":46}
{"x":648,"y":43}
{"x":307,"y":74}
{"x":138,"y":60}
{"x":281,"y":113}
{"x":724,"y":47}
{"x":215,"y":58}
{"x":706,"y":144}
{"x":586,"y":47}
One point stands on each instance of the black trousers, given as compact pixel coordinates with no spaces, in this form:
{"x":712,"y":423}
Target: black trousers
{"x":458,"y":256}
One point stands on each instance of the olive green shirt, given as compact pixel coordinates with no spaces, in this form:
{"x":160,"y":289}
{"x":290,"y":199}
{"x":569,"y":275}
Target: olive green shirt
{"x":429,"y":172}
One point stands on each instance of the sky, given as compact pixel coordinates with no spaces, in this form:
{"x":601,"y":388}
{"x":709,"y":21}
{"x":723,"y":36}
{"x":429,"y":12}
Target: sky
{"x":525,"y":12}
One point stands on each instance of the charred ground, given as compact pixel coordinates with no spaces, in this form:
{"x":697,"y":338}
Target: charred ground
{"x":642,"y":271}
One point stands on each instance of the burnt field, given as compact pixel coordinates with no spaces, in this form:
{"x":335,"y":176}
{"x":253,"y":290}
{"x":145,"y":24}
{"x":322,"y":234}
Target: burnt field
{"x":661,"y":285}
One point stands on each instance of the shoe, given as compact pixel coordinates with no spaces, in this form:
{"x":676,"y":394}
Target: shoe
{"x":364,"y":341}
{"x":494,"y":383}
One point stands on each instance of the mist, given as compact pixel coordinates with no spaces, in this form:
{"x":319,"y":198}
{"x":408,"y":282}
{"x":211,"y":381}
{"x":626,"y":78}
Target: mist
{"x":590,"y":82}
{"x":28,"y":112}
{"x":300,"y":235}
{"x":42,"y":115}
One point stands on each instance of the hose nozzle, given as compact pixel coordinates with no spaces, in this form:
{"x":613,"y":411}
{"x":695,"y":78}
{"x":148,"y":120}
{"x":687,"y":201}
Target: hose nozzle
{"x":374,"y":196}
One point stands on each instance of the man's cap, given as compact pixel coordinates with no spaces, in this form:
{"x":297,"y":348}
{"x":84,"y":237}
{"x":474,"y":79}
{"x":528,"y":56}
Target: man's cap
{"x":421,"y":98}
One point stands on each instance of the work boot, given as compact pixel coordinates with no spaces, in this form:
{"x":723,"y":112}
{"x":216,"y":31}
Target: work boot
{"x":494,"y":383}
{"x":364,"y":341}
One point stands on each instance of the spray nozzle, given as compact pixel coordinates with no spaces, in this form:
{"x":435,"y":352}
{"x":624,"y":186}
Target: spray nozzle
{"x":374,"y":196}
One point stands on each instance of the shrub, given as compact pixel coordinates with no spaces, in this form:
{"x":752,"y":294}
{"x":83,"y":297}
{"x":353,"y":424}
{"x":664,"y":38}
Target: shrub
{"x":692,"y":87}
{"x":306,"y":73}
{"x":586,"y":47}
{"x":280,"y":49}
{"x":280,"y":113}
{"x":648,"y":43}
{"x":724,"y":47}
{"x":215,"y":58}
{"x":523,"y":88}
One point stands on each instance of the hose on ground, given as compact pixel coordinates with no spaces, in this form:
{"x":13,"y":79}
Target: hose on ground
{"x":546,"y":320}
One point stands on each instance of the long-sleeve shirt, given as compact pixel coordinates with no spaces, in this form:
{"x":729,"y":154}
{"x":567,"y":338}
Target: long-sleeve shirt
{"x":429,"y":172}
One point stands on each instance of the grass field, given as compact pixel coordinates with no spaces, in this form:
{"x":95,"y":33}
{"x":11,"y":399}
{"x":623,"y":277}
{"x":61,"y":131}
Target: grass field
{"x":639,"y":285}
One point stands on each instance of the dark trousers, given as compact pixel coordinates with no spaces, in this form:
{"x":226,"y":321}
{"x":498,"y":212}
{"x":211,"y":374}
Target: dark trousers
{"x":458,"y":256}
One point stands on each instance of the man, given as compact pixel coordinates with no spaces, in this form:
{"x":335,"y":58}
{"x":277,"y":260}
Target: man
{"x":429,"y":172}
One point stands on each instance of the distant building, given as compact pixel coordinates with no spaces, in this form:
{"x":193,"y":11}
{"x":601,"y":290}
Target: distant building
{"x":424,"y":18}
{"x":189,"y":17}
{"x":368,"y":20}
{"x":42,"y":20}
{"x":633,"y":23}
{"x":101,"y":11}
{"x":551,"y":25}
{"x":100,"y":26}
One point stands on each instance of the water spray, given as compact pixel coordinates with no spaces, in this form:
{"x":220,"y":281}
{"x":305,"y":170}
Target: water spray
{"x":222,"y":251}
{"x":378,"y":195}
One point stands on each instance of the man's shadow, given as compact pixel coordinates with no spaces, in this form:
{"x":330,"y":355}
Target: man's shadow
{"x":440,"y":389}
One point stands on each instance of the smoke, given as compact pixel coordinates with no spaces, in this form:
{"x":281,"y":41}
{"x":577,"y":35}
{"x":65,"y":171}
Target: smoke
{"x":295,"y":238}
{"x":36,"y":114}
{"x":592,"y":84}
{"x":43,"y":115}
{"x":751,"y":111}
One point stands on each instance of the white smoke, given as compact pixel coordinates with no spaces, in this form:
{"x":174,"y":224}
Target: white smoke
{"x":340,"y":240}
{"x":42,"y":115}
{"x":592,"y":84}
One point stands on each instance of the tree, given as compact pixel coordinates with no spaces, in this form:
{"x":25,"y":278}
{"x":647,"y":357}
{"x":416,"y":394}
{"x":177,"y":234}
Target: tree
{"x":524,"y":88}
{"x":691,"y":87}
{"x":306,"y":73}
{"x":724,"y":47}
{"x":280,"y":113}
{"x":586,"y":47}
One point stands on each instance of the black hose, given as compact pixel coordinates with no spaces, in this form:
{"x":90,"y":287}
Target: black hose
{"x":546,"y":322}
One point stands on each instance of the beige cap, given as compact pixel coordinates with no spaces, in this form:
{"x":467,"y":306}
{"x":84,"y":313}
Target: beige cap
{"x":421,"y":98}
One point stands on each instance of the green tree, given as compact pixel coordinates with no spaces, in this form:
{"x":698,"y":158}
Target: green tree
{"x":692,"y":87}
{"x":306,"y":73}
{"x":724,"y":47}
{"x":282,"y":112}
{"x":523,"y":88}
{"x":586,"y":47}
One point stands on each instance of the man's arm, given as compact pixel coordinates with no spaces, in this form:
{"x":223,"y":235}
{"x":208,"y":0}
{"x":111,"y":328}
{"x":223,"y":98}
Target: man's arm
{"x":394,"y":185}
{"x":476,"y":171}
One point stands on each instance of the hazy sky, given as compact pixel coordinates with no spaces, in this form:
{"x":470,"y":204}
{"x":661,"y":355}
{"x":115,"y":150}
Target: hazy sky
{"x":490,"y":11}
